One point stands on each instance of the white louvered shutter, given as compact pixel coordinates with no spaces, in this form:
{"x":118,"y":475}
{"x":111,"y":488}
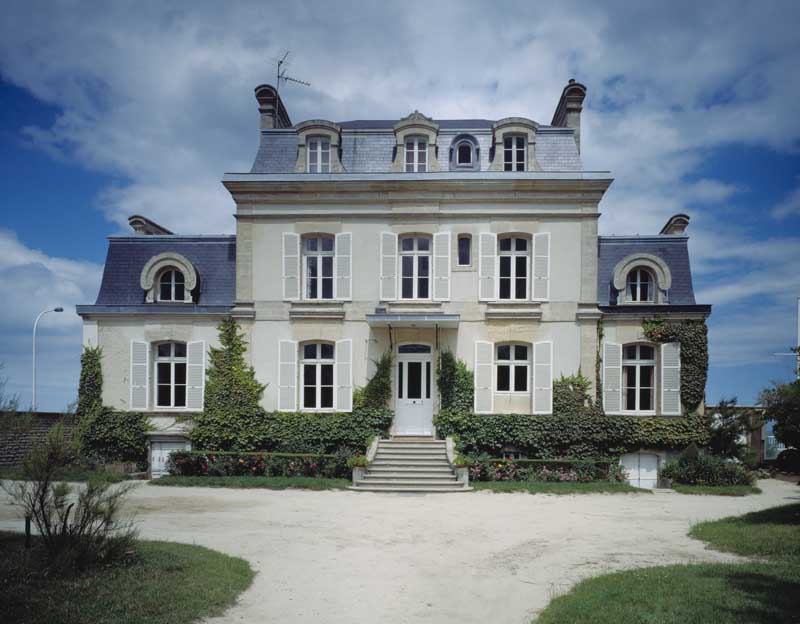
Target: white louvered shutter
{"x":543,"y":377}
{"x":140,"y":374}
{"x":441,"y":266}
{"x":287,"y":376}
{"x":612,"y":377}
{"x":291,"y":266}
{"x":388,"y":268}
{"x":343,"y":266}
{"x":671,"y":378}
{"x":541,"y":267}
{"x":344,"y":375}
{"x":484,"y":377}
{"x":487,"y":266}
{"x":195,"y":374}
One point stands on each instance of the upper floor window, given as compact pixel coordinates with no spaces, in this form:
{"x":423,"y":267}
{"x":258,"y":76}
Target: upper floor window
{"x":170,"y":374}
{"x":464,"y":250}
{"x":317,"y":375}
{"x":512,"y":364}
{"x":464,"y":154}
{"x":415,"y":267}
{"x":640,"y":286}
{"x":171,"y":286}
{"x":319,"y":155}
{"x":638,"y":378}
{"x":514,"y":255}
{"x":416,"y":155}
{"x":318,"y":254}
{"x":514,"y":153}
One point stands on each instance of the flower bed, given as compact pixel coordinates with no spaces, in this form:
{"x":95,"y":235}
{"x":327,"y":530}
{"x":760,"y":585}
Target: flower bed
{"x":232,"y":464}
{"x":553,"y":470}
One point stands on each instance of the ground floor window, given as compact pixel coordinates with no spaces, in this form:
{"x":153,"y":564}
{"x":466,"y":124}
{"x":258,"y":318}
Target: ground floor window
{"x":512,"y":362}
{"x":638,"y":378}
{"x":170,"y":373}
{"x":317,"y":375}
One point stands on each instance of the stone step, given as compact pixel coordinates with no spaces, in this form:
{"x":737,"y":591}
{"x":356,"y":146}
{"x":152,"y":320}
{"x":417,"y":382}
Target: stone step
{"x":420,"y":489}
{"x":406,"y":476}
{"x":437,"y":481}
{"x":409,"y":453}
{"x":409,"y":462}
{"x":406,"y":446}
{"x":412,"y":469}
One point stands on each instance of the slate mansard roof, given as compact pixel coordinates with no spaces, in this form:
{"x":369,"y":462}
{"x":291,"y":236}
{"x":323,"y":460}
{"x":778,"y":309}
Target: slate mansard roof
{"x":368,"y":146}
{"x":213,"y":257}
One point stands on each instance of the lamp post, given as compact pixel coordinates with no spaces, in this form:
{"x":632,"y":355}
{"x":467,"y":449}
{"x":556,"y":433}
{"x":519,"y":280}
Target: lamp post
{"x":35,"y":323}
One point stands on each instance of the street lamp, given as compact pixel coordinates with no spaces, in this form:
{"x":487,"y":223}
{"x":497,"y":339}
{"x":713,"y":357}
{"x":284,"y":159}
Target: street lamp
{"x":35,"y":323}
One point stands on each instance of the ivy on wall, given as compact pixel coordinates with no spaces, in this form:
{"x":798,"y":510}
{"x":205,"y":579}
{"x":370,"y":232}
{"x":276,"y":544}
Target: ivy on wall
{"x":90,"y":386}
{"x":693,"y":338}
{"x":455,"y":382}
{"x":378,"y":390}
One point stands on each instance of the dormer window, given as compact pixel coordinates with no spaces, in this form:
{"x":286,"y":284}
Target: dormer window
{"x":416,"y":155}
{"x":464,"y":151}
{"x":514,"y":153}
{"x":640,"y":286}
{"x":464,"y":154}
{"x":319,"y":155}
{"x":172,"y":286}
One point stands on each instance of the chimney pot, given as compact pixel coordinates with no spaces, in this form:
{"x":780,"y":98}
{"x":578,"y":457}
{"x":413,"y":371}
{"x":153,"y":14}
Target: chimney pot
{"x":568,"y":111}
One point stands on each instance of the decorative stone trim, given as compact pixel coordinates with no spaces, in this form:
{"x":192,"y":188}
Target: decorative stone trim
{"x":416,"y":124}
{"x":515,"y":126}
{"x":476,"y":153}
{"x":155,"y":265}
{"x":654,"y":264}
{"x":320,"y":128}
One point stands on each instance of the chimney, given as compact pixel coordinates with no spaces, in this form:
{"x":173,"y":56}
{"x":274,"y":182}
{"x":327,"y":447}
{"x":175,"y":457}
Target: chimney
{"x":676,"y":224}
{"x":273,"y":113}
{"x":568,"y":111}
{"x":142,"y":226}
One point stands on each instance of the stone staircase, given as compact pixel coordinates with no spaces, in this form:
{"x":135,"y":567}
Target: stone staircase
{"x":406,"y":464}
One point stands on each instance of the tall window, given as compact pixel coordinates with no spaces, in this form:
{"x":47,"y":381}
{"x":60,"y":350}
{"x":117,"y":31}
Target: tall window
{"x":415,"y":267}
{"x":514,"y":153}
{"x":171,"y":374}
{"x":512,"y":362}
{"x":640,"y":286}
{"x":514,"y":254}
{"x":171,"y":286}
{"x":318,"y":267}
{"x":416,"y":156}
{"x":464,"y":154}
{"x":317,"y":375}
{"x":638,"y":378}
{"x":464,"y":250}
{"x":319,"y":155}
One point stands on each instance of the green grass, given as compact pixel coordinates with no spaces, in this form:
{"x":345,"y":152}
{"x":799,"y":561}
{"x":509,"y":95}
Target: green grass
{"x":269,"y":483}
{"x":70,"y":473}
{"x":756,"y":592}
{"x":556,"y":487}
{"x":717,"y":490}
{"x":166,"y":583}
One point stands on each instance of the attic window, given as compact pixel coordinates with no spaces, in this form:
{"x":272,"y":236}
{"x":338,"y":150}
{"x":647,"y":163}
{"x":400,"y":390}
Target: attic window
{"x":464,"y":154}
{"x":514,"y":153}
{"x":319,"y":155}
{"x":416,"y":155}
{"x":172,"y":286}
{"x":640,"y":286}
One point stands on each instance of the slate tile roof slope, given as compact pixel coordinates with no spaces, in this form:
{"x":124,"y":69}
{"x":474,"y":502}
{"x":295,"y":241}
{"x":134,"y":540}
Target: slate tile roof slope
{"x":672,"y":249}
{"x":213,"y":257}
{"x":368,"y":146}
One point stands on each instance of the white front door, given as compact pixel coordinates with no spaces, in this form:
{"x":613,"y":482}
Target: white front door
{"x":415,"y":390}
{"x":159,"y":456}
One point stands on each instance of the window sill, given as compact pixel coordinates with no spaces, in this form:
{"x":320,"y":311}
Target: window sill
{"x":513,"y":309}
{"x":316,"y":309}
{"x":463,"y":268}
{"x":634,"y":413}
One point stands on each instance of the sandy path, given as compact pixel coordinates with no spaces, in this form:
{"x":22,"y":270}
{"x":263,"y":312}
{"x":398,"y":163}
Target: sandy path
{"x":475,"y":557}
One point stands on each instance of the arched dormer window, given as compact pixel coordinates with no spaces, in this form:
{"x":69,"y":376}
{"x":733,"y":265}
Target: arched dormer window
{"x":464,"y":154}
{"x":415,"y":149}
{"x":169,"y":277}
{"x":642,"y":278}
{"x":318,"y":142}
{"x":514,"y":145}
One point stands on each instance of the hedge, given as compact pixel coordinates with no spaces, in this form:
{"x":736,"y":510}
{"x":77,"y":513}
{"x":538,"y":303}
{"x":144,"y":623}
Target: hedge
{"x":507,"y":469}
{"x":258,"y":464}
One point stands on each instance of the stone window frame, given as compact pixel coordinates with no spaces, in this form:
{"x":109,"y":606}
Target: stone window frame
{"x":662,"y":278}
{"x":173,"y":360}
{"x":155,"y":266}
{"x":416,"y":125}
{"x":457,"y":142}
{"x":513,"y":363}
{"x":318,"y":128}
{"x":317,"y":362}
{"x":638,"y":363}
{"x":514,"y":126}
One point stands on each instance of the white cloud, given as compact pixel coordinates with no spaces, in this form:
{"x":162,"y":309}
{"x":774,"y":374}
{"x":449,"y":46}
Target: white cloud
{"x":789,"y":206}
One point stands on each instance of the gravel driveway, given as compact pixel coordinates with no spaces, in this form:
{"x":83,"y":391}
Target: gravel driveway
{"x":337,"y":556}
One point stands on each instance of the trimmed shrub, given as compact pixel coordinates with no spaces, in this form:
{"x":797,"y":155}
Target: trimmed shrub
{"x":695,"y":467}
{"x":90,"y":386}
{"x":506,"y":469}
{"x":788,"y":460}
{"x":257,"y":464}
{"x":107,"y":435}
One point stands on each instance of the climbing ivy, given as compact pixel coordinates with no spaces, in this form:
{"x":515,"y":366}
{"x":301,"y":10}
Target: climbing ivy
{"x":693,"y":338}
{"x":378,"y":390}
{"x":90,"y":386}
{"x":455,"y":382}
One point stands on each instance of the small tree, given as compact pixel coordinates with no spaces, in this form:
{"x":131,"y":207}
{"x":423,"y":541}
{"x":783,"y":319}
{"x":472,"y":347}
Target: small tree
{"x":727,"y":426}
{"x":232,"y":397}
{"x":90,"y":386}
{"x":782,"y":405}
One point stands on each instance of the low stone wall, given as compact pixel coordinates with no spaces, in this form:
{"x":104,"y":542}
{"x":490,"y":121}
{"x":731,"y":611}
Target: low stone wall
{"x":20,"y":430}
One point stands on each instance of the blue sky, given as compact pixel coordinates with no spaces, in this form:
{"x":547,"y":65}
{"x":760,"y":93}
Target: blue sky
{"x":140,"y":108}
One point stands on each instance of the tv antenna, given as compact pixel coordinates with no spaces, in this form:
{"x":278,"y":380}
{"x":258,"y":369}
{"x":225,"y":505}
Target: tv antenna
{"x":281,"y":73}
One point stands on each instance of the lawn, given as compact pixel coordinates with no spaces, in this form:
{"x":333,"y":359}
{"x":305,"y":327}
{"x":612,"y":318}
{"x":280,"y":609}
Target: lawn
{"x":164,"y":583}
{"x":717,"y":490}
{"x":70,"y":473}
{"x":268,"y":483}
{"x":556,"y":487}
{"x":756,"y":592}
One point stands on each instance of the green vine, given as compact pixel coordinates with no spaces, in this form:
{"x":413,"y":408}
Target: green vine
{"x":90,"y":386}
{"x":455,"y":382}
{"x":693,"y":338}
{"x":598,"y":363}
{"x":378,"y":390}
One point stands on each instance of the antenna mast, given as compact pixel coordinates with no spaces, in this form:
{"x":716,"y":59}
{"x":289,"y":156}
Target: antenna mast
{"x":281,"y":73}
